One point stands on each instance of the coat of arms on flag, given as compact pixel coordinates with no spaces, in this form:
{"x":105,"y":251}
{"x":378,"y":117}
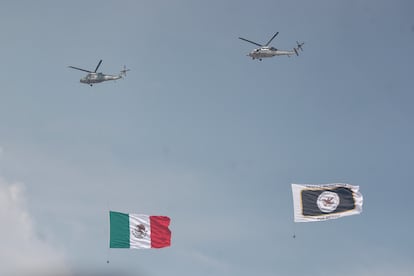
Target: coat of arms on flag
{"x":325,"y":201}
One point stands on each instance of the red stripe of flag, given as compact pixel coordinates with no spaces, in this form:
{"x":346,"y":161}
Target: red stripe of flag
{"x":160,"y":233}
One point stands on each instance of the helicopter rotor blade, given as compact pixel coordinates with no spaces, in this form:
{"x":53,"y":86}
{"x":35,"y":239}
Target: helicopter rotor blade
{"x":250,"y":41}
{"x":271,"y":39}
{"x":80,"y":69}
{"x":99,"y":64}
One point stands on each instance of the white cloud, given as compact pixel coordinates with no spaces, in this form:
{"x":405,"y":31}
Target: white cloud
{"x":22,"y":252}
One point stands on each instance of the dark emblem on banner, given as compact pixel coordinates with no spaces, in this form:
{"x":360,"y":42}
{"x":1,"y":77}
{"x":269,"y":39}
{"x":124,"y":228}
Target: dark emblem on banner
{"x":139,"y":231}
{"x":328,"y":202}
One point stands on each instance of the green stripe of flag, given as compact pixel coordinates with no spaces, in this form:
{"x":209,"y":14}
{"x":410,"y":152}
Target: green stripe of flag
{"x":119,"y":225}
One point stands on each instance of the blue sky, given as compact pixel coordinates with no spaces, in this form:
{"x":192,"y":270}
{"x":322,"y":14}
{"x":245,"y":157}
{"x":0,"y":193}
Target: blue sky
{"x":200,"y":132}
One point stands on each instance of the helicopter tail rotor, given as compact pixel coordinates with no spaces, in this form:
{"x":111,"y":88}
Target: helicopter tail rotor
{"x":123,"y":71}
{"x":299,"y":45}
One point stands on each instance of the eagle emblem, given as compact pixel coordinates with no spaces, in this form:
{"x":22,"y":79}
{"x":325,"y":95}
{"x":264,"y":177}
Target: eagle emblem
{"x":140,"y":231}
{"x":328,"y":201}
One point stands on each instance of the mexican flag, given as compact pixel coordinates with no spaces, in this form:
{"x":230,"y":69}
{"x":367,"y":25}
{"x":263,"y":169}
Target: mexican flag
{"x":138,"y":231}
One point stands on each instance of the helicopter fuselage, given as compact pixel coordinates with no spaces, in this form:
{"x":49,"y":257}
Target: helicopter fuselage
{"x":266,"y":52}
{"x":98,"y":77}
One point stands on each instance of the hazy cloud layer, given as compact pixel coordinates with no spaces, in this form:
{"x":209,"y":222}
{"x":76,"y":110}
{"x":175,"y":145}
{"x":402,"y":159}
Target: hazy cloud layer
{"x":22,"y":251}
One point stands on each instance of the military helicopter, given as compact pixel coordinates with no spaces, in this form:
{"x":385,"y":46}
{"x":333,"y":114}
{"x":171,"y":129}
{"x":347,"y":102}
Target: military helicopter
{"x":266,"y":51}
{"x":93,"y":77}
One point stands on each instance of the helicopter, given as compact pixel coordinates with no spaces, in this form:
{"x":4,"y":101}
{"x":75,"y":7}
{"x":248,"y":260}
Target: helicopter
{"x":266,"y":51}
{"x":93,"y":77}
